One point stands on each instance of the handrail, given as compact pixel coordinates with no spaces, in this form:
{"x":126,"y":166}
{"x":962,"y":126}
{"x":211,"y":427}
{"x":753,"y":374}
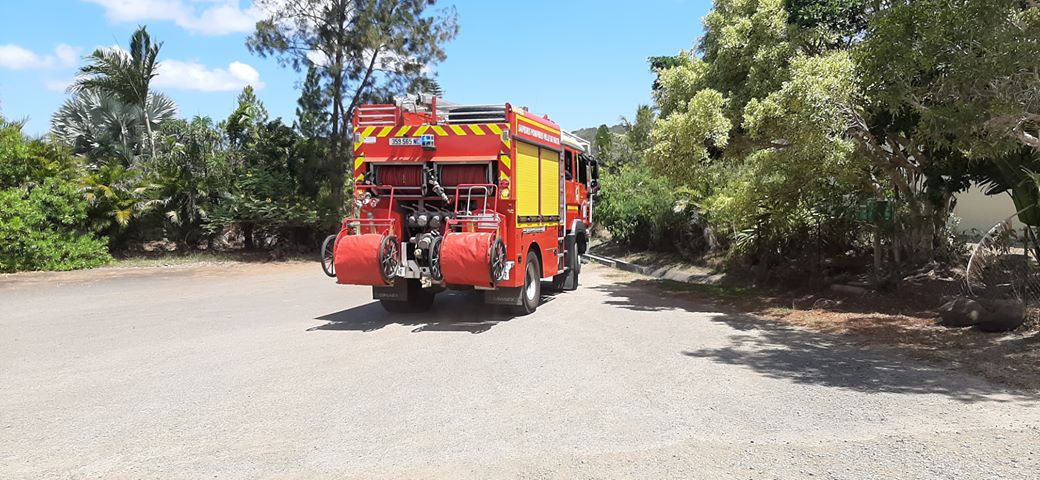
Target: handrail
{"x":488,"y":189}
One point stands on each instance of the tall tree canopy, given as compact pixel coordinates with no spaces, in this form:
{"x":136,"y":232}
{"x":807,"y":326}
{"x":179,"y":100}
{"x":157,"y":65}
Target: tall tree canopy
{"x":125,"y":74}
{"x":360,"y":49}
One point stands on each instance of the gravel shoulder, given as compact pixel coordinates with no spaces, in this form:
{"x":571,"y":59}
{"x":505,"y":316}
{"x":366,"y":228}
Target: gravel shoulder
{"x":273,"y":371}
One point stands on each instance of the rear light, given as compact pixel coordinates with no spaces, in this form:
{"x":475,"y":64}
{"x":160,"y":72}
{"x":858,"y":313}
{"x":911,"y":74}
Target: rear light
{"x":503,"y":187}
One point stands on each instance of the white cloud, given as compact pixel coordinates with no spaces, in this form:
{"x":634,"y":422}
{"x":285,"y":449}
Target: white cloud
{"x":178,"y":75}
{"x":208,"y":17}
{"x":68,"y":56}
{"x":18,"y":58}
{"x":15,"y":57}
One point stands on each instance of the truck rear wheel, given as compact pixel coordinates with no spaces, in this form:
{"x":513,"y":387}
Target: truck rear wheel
{"x":531,"y":292}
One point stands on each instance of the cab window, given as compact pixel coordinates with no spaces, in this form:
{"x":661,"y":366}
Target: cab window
{"x":568,"y":164}
{"x":583,"y":170}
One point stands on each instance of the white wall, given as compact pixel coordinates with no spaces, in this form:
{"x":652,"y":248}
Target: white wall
{"x":980,"y":211}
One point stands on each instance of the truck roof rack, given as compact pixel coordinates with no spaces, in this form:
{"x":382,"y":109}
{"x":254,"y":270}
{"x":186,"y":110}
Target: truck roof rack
{"x":477,"y":114}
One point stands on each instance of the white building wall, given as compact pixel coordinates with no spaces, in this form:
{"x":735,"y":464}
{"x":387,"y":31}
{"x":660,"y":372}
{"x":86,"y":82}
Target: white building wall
{"x":980,"y":212}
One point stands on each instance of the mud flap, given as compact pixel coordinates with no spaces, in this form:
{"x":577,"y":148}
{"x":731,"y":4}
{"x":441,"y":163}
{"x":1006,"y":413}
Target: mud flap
{"x":503,"y":296}
{"x":573,"y":256}
{"x":398,"y":292}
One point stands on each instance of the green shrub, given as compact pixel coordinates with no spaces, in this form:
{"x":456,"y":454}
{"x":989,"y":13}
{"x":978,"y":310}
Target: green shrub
{"x":39,"y":229}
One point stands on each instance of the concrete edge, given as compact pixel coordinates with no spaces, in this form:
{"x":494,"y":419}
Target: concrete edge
{"x":663,"y":274}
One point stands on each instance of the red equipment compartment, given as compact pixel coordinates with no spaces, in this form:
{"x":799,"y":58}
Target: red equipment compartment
{"x":400,"y":175}
{"x":466,"y":258}
{"x":357,"y":260}
{"x":454,"y":175}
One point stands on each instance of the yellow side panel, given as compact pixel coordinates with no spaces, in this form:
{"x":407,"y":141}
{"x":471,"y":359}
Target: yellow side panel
{"x":550,"y":182}
{"x":526,"y":180}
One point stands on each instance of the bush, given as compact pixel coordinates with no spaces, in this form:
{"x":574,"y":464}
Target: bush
{"x":38,"y":229}
{"x":642,"y":210}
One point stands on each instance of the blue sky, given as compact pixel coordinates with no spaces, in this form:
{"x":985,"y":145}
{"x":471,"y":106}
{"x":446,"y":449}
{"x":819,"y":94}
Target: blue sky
{"x":581,"y":62}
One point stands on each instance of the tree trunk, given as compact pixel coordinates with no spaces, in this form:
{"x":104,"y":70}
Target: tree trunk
{"x":877,"y":252}
{"x":247,"y":236}
{"x":338,"y":169}
{"x":148,"y":129}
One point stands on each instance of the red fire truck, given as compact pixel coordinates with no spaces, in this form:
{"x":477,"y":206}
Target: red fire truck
{"x":485,"y":197}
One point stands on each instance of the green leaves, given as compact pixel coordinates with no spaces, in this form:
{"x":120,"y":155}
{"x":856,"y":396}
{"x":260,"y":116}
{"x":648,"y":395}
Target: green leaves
{"x":42,"y":213}
{"x":681,"y":140}
{"x":969,"y":69}
{"x":757,"y":129}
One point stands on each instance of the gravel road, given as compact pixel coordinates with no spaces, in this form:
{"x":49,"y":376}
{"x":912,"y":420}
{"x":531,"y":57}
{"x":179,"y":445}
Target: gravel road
{"x":273,"y":371}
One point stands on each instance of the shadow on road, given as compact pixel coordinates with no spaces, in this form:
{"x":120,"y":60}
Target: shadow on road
{"x":451,"y":312}
{"x":801,"y":356}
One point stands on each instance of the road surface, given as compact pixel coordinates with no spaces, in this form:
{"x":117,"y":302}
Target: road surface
{"x":273,"y":371}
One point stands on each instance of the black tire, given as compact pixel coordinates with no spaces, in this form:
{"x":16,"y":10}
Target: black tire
{"x":419,"y":300}
{"x":531,"y":292}
{"x":395,"y":306}
{"x":328,"y":256}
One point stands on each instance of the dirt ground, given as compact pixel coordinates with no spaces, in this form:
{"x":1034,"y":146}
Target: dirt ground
{"x":905,"y":317}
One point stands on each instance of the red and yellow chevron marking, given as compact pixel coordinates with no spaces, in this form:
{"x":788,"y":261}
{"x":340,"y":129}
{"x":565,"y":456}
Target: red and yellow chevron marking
{"x":465,"y":130}
{"x":359,"y":173}
{"x":363,"y":133}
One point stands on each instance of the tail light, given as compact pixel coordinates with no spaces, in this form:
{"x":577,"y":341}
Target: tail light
{"x":503,"y":187}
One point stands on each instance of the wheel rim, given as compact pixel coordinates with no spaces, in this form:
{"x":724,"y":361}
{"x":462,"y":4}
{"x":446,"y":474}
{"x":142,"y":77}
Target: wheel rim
{"x":498,"y":260}
{"x":435,"y":260}
{"x":532,"y":285}
{"x":388,"y":258}
{"x":328,"y":255}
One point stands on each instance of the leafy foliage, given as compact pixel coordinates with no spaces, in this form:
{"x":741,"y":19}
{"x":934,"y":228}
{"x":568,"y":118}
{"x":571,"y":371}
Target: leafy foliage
{"x":126,"y":75}
{"x":42,"y":213}
{"x":969,"y":69}
{"x":367,"y":50}
{"x":101,"y":126}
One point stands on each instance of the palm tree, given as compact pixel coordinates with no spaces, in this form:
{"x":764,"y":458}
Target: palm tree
{"x":126,"y":75}
{"x":102,"y":126}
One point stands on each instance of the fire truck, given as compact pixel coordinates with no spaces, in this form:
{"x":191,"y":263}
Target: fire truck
{"x":491,"y":198}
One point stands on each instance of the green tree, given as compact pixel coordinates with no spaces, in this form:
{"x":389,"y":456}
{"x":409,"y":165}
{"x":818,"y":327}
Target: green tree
{"x":603,"y":141}
{"x":361,"y":49}
{"x":638,"y":131}
{"x":126,"y":75}
{"x":270,"y":199}
{"x":312,"y":118}
{"x":43,"y":215}
{"x":244,"y":124}
{"x":755,"y":127}
{"x":823,"y":25}
{"x":102,"y":127}
{"x":426,"y":85}
{"x":968,"y":69}
{"x":192,"y":172}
